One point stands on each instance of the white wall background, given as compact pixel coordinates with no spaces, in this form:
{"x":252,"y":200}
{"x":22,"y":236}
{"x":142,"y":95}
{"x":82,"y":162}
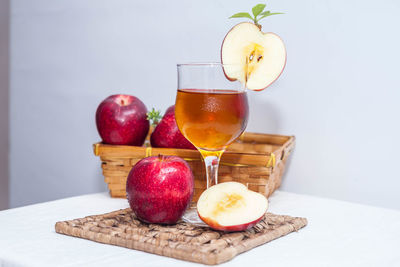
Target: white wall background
{"x":4,"y":111}
{"x":339,"y":94}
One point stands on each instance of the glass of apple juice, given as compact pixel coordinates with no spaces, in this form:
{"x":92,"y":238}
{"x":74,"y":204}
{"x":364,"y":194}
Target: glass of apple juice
{"x":211,"y":111}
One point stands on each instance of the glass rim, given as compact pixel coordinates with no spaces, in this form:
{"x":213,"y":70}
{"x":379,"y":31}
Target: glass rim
{"x":207,"y":64}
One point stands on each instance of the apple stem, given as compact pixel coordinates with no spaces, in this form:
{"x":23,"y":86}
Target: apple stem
{"x":258,"y":12}
{"x":154,"y":116}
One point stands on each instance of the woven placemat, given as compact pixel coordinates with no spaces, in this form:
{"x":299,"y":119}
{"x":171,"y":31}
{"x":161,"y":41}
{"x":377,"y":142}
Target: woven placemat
{"x":181,"y":241}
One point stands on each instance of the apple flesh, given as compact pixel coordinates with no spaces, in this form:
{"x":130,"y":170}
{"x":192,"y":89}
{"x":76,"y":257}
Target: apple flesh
{"x":167,"y":134}
{"x":122,"y":120}
{"x":159,"y":189}
{"x":254,"y":58}
{"x":230,"y":206}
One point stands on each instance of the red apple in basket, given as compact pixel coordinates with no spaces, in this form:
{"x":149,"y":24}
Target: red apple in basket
{"x":167,"y":134}
{"x":160,"y":188}
{"x":122,"y":120}
{"x":230,"y":206}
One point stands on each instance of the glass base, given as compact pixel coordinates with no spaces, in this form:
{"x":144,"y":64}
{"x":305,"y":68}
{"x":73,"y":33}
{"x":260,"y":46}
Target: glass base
{"x":190,"y":216}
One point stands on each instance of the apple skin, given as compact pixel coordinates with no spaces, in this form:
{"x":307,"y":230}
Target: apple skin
{"x":122,"y":120}
{"x":232,"y":228}
{"x":159,"y":189}
{"x":233,"y":79}
{"x":167,"y":133}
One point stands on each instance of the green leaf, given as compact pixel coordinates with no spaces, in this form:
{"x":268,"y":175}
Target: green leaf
{"x":154,"y":116}
{"x":265,"y":13}
{"x":257,"y":9}
{"x":269,"y":14}
{"x":242,"y":15}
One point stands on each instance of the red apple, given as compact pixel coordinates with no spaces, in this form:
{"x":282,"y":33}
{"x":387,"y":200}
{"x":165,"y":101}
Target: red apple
{"x":122,"y":120}
{"x":167,"y":133}
{"x":160,"y":188}
{"x":230,"y":206}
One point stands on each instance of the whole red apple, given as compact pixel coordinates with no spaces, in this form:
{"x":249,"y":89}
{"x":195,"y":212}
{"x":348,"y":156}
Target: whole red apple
{"x":160,"y":188}
{"x":167,"y":133}
{"x":122,"y":120}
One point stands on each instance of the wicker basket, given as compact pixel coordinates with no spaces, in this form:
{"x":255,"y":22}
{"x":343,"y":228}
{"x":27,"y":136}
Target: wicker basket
{"x":255,"y":160}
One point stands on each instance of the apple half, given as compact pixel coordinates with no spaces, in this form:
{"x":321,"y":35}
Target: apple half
{"x":230,"y":206}
{"x":254,"y":58}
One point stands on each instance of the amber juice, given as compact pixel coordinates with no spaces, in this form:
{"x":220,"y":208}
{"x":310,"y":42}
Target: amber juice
{"x":211,"y":119}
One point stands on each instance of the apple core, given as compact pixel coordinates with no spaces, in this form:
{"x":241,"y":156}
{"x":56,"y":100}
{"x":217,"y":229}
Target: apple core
{"x":229,"y":201}
{"x":254,"y":54}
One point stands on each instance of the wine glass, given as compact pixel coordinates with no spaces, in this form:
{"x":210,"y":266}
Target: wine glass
{"x":211,"y":111}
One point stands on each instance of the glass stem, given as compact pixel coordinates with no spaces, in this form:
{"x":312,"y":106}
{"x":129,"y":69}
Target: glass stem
{"x":211,"y":160}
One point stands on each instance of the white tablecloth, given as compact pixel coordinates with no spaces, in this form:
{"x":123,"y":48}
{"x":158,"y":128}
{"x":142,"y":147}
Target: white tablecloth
{"x":339,"y":234}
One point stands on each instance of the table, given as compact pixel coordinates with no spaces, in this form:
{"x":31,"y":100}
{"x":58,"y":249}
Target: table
{"x":339,"y":234}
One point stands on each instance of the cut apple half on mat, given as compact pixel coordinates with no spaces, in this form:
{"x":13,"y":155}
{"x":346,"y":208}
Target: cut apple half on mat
{"x":230,"y":206}
{"x":254,"y":58}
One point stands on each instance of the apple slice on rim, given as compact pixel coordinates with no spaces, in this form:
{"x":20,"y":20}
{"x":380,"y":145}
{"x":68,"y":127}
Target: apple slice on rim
{"x":254,"y":58}
{"x":230,"y":206}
